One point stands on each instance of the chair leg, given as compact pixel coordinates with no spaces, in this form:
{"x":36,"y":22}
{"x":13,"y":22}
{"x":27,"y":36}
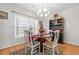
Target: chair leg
{"x":57,"y":49}
{"x":32,"y":51}
{"x":39,"y":49}
{"x":53,"y":51}
{"x":25,"y":50}
{"x":43,"y":49}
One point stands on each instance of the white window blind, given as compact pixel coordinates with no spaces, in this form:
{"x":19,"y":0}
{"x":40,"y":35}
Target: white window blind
{"x":23,"y":22}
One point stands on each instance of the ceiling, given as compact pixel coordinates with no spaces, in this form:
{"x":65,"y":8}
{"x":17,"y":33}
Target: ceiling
{"x":51,"y":7}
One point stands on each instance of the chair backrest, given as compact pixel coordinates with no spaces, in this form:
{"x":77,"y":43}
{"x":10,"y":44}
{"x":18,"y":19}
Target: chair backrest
{"x":56,"y":35}
{"x":28,"y":36}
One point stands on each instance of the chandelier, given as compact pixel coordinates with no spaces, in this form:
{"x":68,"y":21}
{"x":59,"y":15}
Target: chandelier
{"x":43,"y":13}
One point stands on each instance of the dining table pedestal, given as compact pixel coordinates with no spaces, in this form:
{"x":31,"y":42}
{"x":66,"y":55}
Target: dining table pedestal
{"x":42,"y":40}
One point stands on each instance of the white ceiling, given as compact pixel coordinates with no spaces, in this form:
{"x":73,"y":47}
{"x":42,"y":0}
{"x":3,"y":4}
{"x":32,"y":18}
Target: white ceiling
{"x":52,"y":7}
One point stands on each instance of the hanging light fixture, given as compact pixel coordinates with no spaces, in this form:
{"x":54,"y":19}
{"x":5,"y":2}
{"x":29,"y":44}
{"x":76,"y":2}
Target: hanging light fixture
{"x":42,"y":13}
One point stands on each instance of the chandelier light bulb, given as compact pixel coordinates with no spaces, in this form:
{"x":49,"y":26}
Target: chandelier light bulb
{"x":45,"y":10}
{"x":41,"y":15}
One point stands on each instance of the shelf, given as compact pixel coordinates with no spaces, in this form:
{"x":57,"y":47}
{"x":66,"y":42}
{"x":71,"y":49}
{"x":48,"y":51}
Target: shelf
{"x":55,"y":24}
{"x":58,"y":25}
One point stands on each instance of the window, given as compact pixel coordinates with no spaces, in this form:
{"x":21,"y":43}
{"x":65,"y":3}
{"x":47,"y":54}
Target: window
{"x":22,"y":23}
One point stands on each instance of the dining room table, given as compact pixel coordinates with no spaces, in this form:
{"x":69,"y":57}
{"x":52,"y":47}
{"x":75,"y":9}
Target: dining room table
{"x":41,"y":38}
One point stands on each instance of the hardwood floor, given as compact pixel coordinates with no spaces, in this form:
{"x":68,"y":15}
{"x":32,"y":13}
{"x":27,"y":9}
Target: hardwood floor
{"x":7,"y":51}
{"x":67,"y":49}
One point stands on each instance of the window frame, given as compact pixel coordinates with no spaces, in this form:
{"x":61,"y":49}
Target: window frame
{"x":16,"y":31}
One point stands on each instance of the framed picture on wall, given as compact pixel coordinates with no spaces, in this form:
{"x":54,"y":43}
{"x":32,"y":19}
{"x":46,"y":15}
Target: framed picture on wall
{"x":3,"y":15}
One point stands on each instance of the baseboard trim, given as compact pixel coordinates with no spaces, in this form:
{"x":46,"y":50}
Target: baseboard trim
{"x":12,"y":45}
{"x":72,"y":43}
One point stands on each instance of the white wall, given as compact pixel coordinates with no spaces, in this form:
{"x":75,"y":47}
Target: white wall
{"x":71,"y":25}
{"x":7,"y":38}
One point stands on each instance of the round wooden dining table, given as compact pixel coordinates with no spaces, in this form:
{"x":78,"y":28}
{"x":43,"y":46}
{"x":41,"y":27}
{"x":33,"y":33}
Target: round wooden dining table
{"x":42,"y":40}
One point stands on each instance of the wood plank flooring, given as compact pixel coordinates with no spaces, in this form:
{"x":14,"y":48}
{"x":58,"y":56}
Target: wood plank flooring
{"x":69,"y":49}
{"x":7,"y":51}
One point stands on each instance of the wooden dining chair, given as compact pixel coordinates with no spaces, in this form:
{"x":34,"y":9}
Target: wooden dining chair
{"x":49,"y":46}
{"x":31,"y":42}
